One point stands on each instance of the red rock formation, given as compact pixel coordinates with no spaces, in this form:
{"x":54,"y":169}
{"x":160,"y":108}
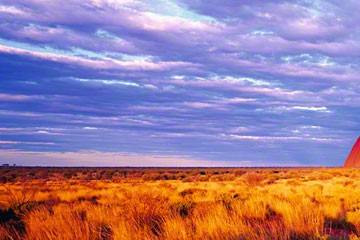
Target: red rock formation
{"x":353,"y":159}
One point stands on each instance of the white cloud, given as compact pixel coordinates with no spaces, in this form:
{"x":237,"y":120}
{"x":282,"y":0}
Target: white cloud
{"x":103,"y":63}
{"x":25,"y":143}
{"x":320,"y":109}
{"x":90,"y":128}
{"x":11,"y":10}
{"x":276,"y":138}
{"x":313,"y":109}
{"x":96,"y":158}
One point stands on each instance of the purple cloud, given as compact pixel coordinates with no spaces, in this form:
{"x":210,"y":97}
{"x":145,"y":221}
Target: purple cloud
{"x":172,"y":79}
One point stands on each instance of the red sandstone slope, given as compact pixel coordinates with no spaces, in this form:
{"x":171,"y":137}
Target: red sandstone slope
{"x":353,"y":159}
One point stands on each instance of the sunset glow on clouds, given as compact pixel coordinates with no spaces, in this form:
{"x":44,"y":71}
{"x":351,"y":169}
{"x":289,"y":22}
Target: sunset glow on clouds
{"x":178,"y":83}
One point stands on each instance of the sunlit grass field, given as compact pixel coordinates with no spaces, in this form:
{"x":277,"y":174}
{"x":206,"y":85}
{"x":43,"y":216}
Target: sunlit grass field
{"x":116,"y":203}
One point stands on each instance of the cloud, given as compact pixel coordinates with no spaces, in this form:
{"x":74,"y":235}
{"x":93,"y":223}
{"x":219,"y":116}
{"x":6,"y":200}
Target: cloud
{"x":252,"y":81}
{"x":320,"y":109}
{"x":114,"y":159}
{"x":64,"y":38}
{"x":4,"y":9}
{"x":107,"y":63}
{"x":315,"y":109}
{"x":26,"y":143}
{"x":17,"y":97}
{"x":278,"y":138}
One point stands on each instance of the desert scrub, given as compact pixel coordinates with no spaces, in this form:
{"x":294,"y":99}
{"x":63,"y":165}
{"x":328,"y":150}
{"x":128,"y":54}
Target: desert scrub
{"x":209,"y":204}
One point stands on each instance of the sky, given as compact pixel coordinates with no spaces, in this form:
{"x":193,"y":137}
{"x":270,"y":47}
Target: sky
{"x":179,"y":82}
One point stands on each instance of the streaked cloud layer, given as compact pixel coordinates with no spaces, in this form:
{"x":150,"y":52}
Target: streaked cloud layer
{"x":130,"y":83}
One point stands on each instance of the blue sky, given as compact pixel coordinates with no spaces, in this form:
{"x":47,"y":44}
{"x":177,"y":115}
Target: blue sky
{"x":178,"y":83}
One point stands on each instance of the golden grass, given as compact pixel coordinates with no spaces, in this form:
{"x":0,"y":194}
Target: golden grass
{"x":191,"y":204}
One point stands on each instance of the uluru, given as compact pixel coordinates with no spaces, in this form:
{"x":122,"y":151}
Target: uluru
{"x":353,"y":160}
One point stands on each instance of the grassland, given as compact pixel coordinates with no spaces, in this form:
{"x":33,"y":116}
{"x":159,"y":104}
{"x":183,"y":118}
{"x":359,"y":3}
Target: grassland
{"x":206,"y":204}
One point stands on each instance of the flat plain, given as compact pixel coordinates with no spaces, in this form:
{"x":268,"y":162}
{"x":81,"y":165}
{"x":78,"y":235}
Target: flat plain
{"x":179,"y":203}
